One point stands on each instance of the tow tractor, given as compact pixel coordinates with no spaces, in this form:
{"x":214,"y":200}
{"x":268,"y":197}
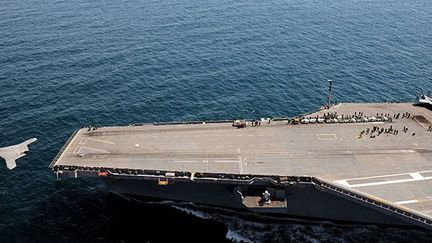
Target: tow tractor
{"x":239,"y":123}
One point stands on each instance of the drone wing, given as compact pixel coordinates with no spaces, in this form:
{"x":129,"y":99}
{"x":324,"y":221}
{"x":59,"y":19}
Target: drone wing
{"x":12,"y":153}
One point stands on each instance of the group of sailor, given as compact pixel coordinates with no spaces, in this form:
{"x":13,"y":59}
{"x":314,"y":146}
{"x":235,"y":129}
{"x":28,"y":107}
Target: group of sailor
{"x":375,"y":129}
{"x":91,"y":128}
{"x":404,"y":115}
{"x":255,"y":123}
{"x":335,"y":118}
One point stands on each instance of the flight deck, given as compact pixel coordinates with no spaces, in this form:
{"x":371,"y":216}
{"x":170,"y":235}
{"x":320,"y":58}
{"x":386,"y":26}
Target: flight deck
{"x":389,"y":159}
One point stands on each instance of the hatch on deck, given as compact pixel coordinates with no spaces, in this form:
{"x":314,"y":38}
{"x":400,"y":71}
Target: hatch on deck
{"x":422,"y":120}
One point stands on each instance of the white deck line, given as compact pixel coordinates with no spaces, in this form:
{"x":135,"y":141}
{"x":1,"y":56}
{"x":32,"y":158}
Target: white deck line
{"x":225,"y":161}
{"x":185,"y":161}
{"x":416,"y":175}
{"x":389,"y":182}
{"x":94,"y":149}
{"x":101,"y":141}
{"x":407,"y":202}
{"x":326,"y":136}
{"x":240,"y":162}
{"x":389,"y":175}
{"x":76,"y":150}
{"x":342,"y":182}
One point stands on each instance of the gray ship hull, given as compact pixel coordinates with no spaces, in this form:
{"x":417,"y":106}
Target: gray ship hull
{"x":301,"y":201}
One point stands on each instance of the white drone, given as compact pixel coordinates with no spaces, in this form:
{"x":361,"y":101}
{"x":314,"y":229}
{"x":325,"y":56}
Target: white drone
{"x":12,"y":153}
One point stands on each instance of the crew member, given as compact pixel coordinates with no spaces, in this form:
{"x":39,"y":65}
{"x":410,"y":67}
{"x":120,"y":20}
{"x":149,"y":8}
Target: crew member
{"x":265,"y":198}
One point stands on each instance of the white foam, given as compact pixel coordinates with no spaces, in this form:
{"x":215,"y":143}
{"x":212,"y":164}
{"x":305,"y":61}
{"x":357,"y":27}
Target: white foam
{"x":193,"y":212}
{"x":236,"y":237}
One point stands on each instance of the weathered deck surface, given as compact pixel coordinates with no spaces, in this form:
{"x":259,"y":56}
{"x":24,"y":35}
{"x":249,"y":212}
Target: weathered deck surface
{"x":397,"y":168}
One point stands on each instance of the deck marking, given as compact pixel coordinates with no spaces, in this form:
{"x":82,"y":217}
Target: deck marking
{"x":97,"y":150}
{"x":239,"y":158}
{"x":83,"y":141}
{"x":416,"y":175}
{"x":326,"y":136}
{"x":77,"y":149}
{"x":390,"y":182}
{"x":390,"y":175}
{"x":225,"y":161}
{"x":101,"y":141}
{"x":184,"y":161}
{"x":407,"y":202}
{"x":342,"y":182}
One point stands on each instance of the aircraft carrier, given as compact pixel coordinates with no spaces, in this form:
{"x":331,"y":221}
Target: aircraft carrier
{"x":368,"y":163}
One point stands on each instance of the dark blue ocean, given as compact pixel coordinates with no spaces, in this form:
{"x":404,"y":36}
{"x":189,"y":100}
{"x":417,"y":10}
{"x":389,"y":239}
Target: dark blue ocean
{"x":65,"y":64}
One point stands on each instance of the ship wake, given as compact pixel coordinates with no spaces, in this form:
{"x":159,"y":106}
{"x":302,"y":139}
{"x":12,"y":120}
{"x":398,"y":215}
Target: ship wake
{"x":245,"y":227}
